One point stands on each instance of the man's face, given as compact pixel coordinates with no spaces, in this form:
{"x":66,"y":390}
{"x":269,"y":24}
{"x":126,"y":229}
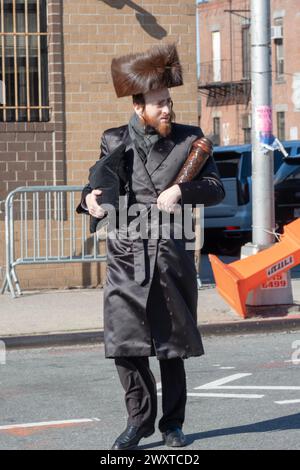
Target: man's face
{"x":157,"y":111}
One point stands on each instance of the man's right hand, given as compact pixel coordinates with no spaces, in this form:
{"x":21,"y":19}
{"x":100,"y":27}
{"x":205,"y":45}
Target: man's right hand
{"x":93,"y":207}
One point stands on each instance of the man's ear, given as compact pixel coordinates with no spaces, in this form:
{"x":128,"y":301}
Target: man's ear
{"x":138,"y":109}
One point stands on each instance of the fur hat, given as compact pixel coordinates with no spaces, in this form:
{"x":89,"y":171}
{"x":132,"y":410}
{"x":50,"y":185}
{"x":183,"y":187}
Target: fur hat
{"x":157,"y":68}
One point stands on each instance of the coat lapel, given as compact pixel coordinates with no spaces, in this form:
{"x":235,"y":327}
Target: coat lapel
{"x":159,"y":153}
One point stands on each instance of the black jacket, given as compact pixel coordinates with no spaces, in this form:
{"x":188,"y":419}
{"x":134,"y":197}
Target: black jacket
{"x":150,"y":298}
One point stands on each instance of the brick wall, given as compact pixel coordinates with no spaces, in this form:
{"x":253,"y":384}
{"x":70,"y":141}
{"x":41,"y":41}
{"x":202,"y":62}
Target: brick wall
{"x":213,"y":17}
{"x":34,"y":153}
{"x":94,"y":33}
{"x":84,"y":37}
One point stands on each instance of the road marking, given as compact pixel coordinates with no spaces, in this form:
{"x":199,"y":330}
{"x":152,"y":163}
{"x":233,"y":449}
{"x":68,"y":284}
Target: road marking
{"x":218,"y":384}
{"x":224,"y":395}
{"x":29,"y":428}
{"x":158,"y":386}
{"x":227,"y":367}
{"x":294,"y":361}
{"x":286,"y":402}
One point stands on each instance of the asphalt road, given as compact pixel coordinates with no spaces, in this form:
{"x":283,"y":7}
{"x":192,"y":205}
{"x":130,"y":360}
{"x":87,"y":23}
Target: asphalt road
{"x":236,"y":399}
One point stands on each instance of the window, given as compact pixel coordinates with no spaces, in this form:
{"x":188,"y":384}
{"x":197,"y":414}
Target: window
{"x":281,"y":125}
{"x":23,"y":61}
{"x":216,"y":131}
{"x":246,"y":126}
{"x":279,"y":52}
{"x":295,"y":175}
{"x":216,"y":53}
{"x":247,"y":136}
{"x":227,"y":163}
{"x":246,"y":52}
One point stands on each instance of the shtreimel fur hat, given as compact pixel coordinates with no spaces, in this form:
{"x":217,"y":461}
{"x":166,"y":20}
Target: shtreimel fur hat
{"x":157,"y":68}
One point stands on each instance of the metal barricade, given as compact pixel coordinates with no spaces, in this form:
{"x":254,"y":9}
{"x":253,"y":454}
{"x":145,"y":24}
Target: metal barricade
{"x":42,"y":227}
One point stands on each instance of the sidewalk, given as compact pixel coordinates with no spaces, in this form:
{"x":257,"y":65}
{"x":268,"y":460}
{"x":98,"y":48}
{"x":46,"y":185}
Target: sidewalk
{"x":75,"y":316}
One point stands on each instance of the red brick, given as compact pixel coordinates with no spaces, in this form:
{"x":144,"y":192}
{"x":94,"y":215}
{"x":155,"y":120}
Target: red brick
{"x":35,"y":146}
{"x":27,"y":156}
{"x":25,"y":137}
{"x":16,"y":146}
{"x":44,"y":156}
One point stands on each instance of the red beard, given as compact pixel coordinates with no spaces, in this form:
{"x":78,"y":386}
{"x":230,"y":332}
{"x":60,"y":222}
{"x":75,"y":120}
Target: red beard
{"x":162,"y":127}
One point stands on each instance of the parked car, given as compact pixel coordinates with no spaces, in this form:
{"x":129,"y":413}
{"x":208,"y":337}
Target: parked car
{"x":287,"y":192}
{"x":228,"y":225}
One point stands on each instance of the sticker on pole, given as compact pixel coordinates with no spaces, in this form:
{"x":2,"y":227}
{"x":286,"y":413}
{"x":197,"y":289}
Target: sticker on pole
{"x":264,"y":124}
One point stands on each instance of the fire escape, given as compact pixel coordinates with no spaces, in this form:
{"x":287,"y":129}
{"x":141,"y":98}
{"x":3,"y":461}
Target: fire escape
{"x":219,"y":80}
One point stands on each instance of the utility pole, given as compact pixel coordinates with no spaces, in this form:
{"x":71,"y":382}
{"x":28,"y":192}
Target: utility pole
{"x":263,"y":213}
{"x":263,"y":210}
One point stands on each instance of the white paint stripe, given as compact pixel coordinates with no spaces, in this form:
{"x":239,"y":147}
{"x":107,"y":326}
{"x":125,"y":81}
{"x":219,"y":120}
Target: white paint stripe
{"x":255,"y":387}
{"x":47,"y":423}
{"x":217,"y":383}
{"x":224,"y":395}
{"x":223,"y":368}
{"x":158,"y":386}
{"x":286,"y":402}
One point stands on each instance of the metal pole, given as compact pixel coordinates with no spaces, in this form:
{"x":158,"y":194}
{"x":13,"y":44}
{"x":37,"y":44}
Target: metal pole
{"x":263,"y":213}
{"x":263,"y":210}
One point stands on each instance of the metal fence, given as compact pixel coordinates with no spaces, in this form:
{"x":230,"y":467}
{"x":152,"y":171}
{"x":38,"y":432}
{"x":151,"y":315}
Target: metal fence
{"x":41,"y":227}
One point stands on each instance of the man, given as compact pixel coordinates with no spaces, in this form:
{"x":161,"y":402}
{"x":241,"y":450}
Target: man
{"x":150,"y":300}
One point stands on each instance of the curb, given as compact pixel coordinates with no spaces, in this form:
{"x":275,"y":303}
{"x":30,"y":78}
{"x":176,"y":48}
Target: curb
{"x":97,"y":337}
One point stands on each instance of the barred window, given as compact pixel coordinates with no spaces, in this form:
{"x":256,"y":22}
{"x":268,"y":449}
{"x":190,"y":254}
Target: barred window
{"x":23,"y":61}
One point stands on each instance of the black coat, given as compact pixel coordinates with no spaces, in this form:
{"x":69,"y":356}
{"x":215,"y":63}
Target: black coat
{"x":150,"y":297}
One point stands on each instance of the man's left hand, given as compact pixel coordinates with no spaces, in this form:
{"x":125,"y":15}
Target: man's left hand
{"x":168,"y":199}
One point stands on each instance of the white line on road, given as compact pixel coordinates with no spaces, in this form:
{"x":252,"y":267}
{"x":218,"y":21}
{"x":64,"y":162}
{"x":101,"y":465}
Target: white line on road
{"x":47,"y":423}
{"x":225,"y":380}
{"x":218,"y":384}
{"x":287,"y":402}
{"x":224,"y":395}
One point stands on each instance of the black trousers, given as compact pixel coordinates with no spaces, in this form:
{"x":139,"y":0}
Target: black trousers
{"x":140,"y":391}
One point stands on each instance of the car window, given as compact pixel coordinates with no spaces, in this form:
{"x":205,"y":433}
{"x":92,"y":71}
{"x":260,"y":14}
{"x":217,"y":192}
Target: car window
{"x":285,"y":172}
{"x":295,"y":175}
{"x":239,"y":164}
{"x":278,"y":158}
{"x":227,"y":163}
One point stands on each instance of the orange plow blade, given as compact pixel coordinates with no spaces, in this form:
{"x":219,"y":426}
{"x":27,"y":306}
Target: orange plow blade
{"x":235,"y":280}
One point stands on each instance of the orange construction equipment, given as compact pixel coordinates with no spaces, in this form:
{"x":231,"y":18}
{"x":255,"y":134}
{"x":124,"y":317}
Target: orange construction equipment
{"x":235,"y":280}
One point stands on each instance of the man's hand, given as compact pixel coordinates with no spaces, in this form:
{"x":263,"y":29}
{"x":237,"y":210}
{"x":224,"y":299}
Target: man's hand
{"x":93,"y":207}
{"x":168,"y":199}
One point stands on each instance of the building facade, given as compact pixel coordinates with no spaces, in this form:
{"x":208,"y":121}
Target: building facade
{"x":56,"y":94}
{"x":225,"y":69}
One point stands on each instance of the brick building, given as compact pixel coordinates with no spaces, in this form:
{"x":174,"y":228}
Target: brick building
{"x":225,"y":86}
{"x":56,"y":95}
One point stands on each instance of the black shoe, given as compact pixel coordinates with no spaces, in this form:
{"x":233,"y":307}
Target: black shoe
{"x":174,"y":438}
{"x":132,"y":436}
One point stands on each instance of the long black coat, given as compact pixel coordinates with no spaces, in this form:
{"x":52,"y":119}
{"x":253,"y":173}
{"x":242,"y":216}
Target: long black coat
{"x":150,"y":297}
